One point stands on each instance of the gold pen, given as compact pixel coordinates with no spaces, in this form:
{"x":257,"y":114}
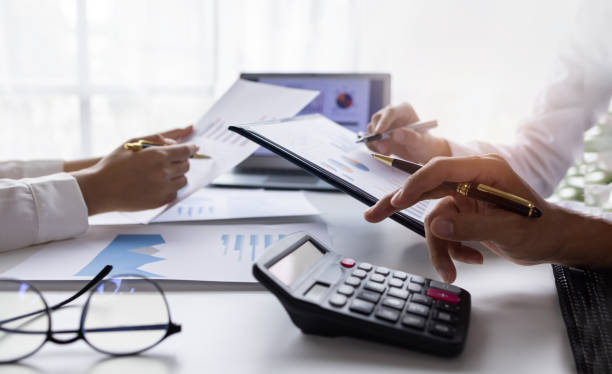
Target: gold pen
{"x":478,"y":191}
{"x":142,"y":144}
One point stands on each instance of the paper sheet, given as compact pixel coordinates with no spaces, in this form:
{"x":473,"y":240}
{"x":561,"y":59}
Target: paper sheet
{"x":219,"y":253}
{"x":244,"y":102}
{"x":333,"y":147}
{"x":225,"y":203}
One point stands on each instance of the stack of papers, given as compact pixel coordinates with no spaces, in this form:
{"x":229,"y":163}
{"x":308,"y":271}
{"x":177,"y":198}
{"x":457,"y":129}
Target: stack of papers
{"x":209,"y":204}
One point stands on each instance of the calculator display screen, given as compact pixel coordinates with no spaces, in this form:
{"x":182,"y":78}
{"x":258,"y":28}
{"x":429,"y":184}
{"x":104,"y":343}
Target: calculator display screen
{"x":290,"y":267}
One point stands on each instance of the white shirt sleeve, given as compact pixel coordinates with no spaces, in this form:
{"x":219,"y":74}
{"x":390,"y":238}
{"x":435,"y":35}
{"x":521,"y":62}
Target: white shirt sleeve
{"x":550,"y":141}
{"x":38,"y":210}
{"x":30,"y":169}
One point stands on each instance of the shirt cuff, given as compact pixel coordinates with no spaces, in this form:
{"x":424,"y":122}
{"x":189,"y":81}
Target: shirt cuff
{"x":60,"y":208}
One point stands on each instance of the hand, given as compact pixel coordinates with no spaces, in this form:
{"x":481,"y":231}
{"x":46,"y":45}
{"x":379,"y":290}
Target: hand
{"x":408,"y":144}
{"x":129,"y":181}
{"x":558,"y":236}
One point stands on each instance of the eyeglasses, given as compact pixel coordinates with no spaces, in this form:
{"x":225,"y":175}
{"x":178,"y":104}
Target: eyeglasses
{"x":123,"y":315}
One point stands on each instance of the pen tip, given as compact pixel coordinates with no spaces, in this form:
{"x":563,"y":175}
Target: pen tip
{"x":536,"y":213}
{"x":386,"y":159}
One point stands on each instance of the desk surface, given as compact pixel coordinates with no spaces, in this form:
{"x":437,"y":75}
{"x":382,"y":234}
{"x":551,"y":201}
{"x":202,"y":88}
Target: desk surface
{"x":516,"y":325}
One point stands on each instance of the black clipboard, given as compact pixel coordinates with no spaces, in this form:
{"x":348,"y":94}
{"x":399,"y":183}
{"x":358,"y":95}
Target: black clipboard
{"x":249,"y":132}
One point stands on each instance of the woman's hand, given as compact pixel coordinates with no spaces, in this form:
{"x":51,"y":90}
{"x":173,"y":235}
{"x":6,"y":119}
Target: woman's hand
{"x":129,"y":181}
{"x":557,"y":237}
{"x":408,"y":144}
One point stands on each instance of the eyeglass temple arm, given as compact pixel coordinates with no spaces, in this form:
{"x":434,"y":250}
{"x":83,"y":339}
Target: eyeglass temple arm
{"x":103,"y":273}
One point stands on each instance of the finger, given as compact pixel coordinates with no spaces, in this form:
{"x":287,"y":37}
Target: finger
{"x":178,"y":183}
{"x":179,"y":133}
{"x":384,"y":207}
{"x":500,"y":226}
{"x":178,"y":169}
{"x":479,"y":169}
{"x":180,"y":152}
{"x":439,"y":256}
{"x":385,"y":121}
{"x":464,"y":253}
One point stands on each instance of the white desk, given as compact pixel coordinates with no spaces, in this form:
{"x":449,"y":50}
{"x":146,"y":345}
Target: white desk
{"x":516,"y":325}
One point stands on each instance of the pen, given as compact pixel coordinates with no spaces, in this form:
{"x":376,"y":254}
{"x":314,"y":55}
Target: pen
{"x":417,"y":126}
{"x":478,"y":191}
{"x":142,"y":144}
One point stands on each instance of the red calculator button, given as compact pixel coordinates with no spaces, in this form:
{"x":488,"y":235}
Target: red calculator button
{"x":347,"y":262}
{"x":437,"y":294}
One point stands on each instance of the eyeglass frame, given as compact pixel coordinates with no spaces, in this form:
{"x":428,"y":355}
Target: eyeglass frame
{"x":171,"y":327}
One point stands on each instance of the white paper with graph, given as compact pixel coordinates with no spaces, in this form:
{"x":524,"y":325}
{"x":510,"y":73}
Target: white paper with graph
{"x":216,"y":253}
{"x":244,"y":102}
{"x":331,"y":146}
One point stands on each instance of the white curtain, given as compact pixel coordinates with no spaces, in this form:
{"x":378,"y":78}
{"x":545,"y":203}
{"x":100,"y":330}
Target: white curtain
{"x":77,"y":77}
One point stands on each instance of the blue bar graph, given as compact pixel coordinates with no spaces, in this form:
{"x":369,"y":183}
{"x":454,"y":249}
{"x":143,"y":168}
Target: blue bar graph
{"x":238,"y":245}
{"x":256,"y":243}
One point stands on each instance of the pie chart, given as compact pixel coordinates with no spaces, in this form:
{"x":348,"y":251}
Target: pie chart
{"x":344,"y":100}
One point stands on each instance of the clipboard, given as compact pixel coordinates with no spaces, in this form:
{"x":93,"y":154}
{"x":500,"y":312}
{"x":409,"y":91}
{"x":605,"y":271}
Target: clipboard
{"x":256,"y":133}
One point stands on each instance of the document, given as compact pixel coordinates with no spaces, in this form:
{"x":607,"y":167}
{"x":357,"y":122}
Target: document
{"x":333,"y":148}
{"x":216,"y":253}
{"x":244,"y":102}
{"x":225,"y":203}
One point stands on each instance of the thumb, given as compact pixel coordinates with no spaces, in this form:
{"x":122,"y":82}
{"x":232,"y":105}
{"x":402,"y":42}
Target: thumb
{"x":474,"y":227}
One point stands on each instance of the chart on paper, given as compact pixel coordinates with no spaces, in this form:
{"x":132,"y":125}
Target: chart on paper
{"x":214,"y":252}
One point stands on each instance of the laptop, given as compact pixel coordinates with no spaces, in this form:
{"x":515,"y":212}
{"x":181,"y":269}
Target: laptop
{"x":348,"y":99}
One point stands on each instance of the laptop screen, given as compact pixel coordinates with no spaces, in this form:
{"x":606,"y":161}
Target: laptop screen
{"x":348,"y":99}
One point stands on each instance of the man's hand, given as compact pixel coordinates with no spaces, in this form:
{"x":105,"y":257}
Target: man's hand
{"x":558,"y":236}
{"x":129,"y":181}
{"x":408,"y":144}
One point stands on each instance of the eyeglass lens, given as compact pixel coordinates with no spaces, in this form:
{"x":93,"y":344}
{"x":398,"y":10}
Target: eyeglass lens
{"x":125,"y":315}
{"x":24,"y":320}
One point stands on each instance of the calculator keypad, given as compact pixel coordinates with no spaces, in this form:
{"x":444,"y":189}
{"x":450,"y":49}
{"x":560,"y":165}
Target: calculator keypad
{"x":400,"y":298}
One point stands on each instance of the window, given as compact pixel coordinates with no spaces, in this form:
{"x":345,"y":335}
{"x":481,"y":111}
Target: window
{"x":78,"y":77}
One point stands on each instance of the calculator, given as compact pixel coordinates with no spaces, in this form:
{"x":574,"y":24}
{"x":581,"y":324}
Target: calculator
{"x":328,"y":294}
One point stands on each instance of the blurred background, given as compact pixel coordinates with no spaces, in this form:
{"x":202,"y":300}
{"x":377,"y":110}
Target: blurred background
{"x":78,"y":77}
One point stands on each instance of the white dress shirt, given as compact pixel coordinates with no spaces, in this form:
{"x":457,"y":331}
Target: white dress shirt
{"x":552,"y":139}
{"x":39,"y":203}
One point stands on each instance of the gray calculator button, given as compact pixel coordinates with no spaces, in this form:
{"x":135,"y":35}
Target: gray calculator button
{"x":377,"y":278}
{"x":338,"y":300}
{"x":442,"y":330}
{"x":353,"y":281}
{"x":359,"y":273}
{"x":445,"y":317}
{"x":400,"y":275}
{"x":388,"y":314}
{"x":413,"y":287}
{"x":376,"y":287}
{"x":370,"y":296}
{"x":445,"y":287}
{"x":394,"y":282}
{"x":421,"y":299}
{"x":418,"y":309}
{"x":382,"y":270}
{"x":393,"y":302}
{"x":365,"y":266}
{"x":361,"y":306}
{"x":396,"y":292}
{"x":346,"y":290}
{"x":413,"y":321}
{"x":417,"y":279}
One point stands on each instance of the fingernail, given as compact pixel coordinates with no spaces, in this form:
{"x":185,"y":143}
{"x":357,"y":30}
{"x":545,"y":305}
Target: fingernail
{"x":444,"y":274}
{"x":443,"y":228}
{"x":397,"y":196}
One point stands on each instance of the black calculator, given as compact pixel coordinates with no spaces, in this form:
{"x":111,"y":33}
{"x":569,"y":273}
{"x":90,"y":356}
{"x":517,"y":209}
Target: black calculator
{"x":331,"y":295}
